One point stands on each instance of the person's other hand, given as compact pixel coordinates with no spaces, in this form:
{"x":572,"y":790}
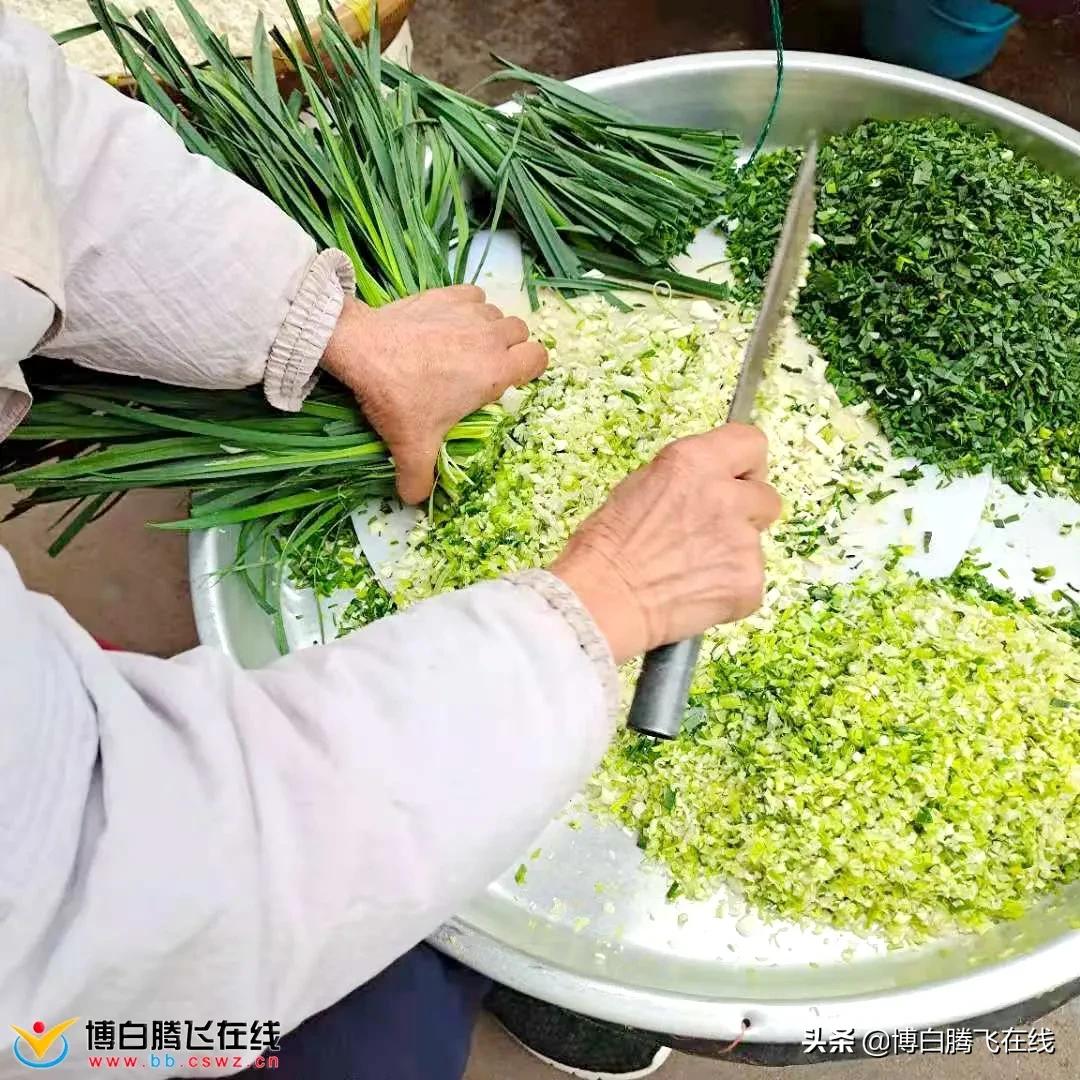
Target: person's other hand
{"x":418,"y":365}
{"x":677,"y":546}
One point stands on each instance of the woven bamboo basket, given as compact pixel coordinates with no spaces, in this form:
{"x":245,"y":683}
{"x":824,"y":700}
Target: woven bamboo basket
{"x":355,"y":18}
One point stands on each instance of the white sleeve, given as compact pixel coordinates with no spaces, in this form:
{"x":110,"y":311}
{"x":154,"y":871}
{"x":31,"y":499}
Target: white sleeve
{"x":187,"y":839}
{"x":172,"y":268}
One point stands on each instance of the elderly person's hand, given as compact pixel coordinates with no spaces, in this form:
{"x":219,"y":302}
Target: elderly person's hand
{"x":677,"y":546}
{"x":418,"y":365}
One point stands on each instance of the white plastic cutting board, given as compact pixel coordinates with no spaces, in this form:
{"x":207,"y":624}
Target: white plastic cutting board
{"x":1045,"y":534}
{"x":945,"y":519}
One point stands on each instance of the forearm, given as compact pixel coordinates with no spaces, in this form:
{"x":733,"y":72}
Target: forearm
{"x":173,"y":269}
{"x":213,"y":841}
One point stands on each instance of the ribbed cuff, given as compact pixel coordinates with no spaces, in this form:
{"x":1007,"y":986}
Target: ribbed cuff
{"x":14,"y":405}
{"x":565,"y":601}
{"x":32,"y":309}
{"x":291,"y":369}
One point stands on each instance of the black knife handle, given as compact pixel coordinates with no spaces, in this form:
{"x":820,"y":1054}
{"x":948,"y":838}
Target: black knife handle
{"x":663,"y":688}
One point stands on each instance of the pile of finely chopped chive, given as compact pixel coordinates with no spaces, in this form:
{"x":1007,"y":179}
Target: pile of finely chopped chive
{"x":932,"y":789}
{"x":947,"y":292}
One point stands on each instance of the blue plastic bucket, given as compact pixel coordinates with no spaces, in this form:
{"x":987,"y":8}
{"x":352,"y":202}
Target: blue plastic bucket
{"x":955,"y":38}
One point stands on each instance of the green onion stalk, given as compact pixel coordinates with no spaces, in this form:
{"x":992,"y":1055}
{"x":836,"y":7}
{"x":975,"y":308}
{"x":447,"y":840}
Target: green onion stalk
{"x":590,"y":186}
{"x":107,"y":437}
{"x":360,"y":169}
{"x":289,"y":482}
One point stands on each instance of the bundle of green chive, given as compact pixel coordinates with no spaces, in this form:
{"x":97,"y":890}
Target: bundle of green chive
{"x":357,"y":179}
{"x":374,"y":160}
{"x":589,"y":185}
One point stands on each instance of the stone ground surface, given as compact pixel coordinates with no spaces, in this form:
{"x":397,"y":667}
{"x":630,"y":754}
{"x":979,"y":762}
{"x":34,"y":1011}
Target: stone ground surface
{"x":129,"y":585}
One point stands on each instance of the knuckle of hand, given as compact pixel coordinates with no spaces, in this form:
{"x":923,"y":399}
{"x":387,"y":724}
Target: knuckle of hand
{"x":668,"y":455}
{"x":670,"y":464}
{"x":747,"y":439}
{"x":488,"y":333}
{"x":750,"y":435}
{"x":680,"y":455}
{"x":464,"y":340}
{"x":762,"y":503}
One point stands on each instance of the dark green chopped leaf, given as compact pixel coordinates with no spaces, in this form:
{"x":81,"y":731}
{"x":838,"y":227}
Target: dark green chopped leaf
{"x":923,"y":818}
{"x":695,"y":716}
{"x":946,"y":292}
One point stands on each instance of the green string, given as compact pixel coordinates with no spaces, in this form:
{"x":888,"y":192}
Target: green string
{"x":778,"y":38}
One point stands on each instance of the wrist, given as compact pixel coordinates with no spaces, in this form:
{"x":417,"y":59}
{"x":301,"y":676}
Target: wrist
{"x":608,"y":598}
{"x":343,"y":356}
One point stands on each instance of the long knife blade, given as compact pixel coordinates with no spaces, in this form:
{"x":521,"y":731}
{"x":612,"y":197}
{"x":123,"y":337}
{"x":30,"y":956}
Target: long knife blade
{"x":664,"y":684}
{"x":788,"y":258}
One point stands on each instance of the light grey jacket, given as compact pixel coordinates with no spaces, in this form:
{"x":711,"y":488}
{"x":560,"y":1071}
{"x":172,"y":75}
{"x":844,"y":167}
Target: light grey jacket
{"x":183,"y":839}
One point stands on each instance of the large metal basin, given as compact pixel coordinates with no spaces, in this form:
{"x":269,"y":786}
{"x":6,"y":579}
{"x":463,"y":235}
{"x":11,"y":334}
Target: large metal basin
{"x":634,"y":962}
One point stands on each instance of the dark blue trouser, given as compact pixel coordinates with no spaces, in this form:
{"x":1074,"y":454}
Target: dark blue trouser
{"x":413,"y":1021}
